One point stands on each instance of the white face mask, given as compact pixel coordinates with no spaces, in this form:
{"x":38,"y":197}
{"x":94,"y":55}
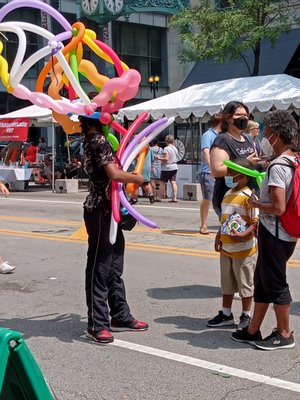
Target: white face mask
{"x":229,"y":182}
{"x":272,"y":145}
{"x":267,"y":147}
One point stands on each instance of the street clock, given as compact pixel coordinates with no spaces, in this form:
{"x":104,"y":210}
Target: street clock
{"x":90,"y":7}
{"x":114,"y":6}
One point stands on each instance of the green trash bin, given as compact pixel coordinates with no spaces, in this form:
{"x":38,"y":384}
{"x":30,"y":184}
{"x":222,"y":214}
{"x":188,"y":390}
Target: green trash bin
{"x":20,"y":375}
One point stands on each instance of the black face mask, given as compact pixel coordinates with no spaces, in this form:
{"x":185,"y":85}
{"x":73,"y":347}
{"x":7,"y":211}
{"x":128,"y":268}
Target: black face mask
{"x":240,"y":123}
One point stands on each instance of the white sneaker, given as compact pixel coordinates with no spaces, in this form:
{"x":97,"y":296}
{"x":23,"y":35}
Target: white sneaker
{"x":6,"y":268}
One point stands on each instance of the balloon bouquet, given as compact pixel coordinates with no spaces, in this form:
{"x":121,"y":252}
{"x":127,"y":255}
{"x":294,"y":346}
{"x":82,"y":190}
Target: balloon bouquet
{"x":66,"y":68}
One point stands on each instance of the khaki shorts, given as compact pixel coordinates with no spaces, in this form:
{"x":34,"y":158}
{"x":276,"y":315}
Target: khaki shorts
{"x":237,"y":275}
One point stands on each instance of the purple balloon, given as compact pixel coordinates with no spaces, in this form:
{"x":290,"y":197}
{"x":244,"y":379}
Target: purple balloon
{"x":138,"y":137}
{"x":132,"y":211}
{"x":35,"y":4}
{"x":61,"y":37}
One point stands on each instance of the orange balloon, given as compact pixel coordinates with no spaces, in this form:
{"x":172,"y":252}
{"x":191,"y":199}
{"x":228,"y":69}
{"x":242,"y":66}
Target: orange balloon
{"x":66,"y":50}
{"x":132,"y":187}
{"x":65,"y":121}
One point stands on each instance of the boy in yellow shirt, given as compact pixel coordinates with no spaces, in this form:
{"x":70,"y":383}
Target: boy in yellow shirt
{"x":236,"y":241}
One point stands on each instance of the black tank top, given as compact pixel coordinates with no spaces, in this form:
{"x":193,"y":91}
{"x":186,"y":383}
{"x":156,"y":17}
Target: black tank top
{"x":235,"y":149}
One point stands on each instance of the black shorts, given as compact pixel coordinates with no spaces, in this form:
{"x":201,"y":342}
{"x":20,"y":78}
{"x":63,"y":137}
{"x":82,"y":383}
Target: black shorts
{"x":168,"y":176}
{"x":270,"y":285}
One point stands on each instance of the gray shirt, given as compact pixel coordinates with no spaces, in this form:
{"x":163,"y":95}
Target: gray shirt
{"x":280,"y":176}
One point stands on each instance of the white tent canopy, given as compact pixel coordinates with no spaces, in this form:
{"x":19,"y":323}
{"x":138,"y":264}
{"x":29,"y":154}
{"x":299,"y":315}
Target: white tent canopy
{"x":259,"y":93}
{"x":39,"y":116}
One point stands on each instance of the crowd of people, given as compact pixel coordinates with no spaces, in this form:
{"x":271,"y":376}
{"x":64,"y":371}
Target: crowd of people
{"x":244,"y":240}
{"x":249,"y":221}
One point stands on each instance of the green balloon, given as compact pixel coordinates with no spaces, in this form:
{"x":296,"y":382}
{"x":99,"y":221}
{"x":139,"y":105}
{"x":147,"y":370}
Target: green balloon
{"x":113,"y":141}
{"x":259,"y":176}
{"x":111,"y":138}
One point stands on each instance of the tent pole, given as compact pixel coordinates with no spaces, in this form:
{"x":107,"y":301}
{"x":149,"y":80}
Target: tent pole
{"x":68,"y":148}
{"x":53,"y":155}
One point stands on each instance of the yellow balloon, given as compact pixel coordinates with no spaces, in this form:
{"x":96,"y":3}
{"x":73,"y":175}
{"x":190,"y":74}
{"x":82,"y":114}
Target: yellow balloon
{"x":4,"y":75}
{"x":96,"y":49}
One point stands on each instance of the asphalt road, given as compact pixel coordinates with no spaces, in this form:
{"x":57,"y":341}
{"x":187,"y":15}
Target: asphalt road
{"x":172,"y":279}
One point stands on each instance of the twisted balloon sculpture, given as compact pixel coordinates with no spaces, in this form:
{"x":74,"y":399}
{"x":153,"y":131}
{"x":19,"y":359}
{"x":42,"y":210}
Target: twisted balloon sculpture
{"x":67,"y":69}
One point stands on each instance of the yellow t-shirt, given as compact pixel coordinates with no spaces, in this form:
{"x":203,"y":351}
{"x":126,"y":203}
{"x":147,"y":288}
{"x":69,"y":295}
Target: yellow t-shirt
{"x":238,"y":201}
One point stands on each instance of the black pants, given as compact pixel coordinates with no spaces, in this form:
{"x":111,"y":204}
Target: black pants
{"x":220,"y":189}
{"x":270,"y":285}
{"x":103,"y":278}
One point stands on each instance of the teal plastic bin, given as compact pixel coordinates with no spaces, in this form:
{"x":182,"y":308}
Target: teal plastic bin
{"x":20,"y":375}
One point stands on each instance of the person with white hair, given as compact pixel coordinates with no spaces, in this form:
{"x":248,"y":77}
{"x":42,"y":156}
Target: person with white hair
{"x":169,"y":168}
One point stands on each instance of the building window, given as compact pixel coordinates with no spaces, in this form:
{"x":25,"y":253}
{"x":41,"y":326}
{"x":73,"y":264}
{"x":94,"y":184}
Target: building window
{"x":141,"y":48}
{"x":293,"y":68}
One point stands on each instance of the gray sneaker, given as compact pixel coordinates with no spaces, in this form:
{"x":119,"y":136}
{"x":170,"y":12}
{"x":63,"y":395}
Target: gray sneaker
{"x":276,"y":341}
{"x":243,"y":336}
{"x":244,"y":321}
{"x":220,"y":320}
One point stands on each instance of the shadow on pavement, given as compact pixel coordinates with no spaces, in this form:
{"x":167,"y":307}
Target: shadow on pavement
{"x":185,"y":292}
{"x":64,"y":327}
{"x":209,"y":339}
{"x":295,"y":308}
{"x":206,"y":337}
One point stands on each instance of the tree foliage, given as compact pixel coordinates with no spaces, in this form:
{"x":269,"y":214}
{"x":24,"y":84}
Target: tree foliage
{"x":225,"y":34}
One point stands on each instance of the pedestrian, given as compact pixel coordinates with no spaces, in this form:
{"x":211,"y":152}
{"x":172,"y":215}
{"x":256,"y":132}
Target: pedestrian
{"x":72,"y":169}
{"x":146,"y":172}
{"x":252,"y":131}
{"x":46,"y":170}
{"x":105,"y":288}
{"x":207,"y":181}
{"x":42,"y":148}
{"x":31,"y":154}
{"x":169,"y":168}
{"x":229,"y":144}
{"x":236,"y":242}
{"x":155,"y":166}
{"x":275,"y":245}
{"x":146,"y":186}
{"x":5,"y":266}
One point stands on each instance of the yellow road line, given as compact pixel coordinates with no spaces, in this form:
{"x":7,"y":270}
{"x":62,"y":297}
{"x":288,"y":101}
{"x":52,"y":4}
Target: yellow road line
{"x":130,"y":245}
{"x":40,"y":220}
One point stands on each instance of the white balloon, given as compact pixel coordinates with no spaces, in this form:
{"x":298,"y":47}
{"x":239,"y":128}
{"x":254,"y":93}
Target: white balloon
{"x":113,"y":230}
{"x":15,"y":80}
{"x":8,"y":27}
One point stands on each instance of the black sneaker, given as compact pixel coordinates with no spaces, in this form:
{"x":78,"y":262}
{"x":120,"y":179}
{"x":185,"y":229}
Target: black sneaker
{"x":245,"y":320}
{"x":151,"y":198}
{"x":276,"y":341}
{"x":220,"y":320}
{"x":244,"y":336}
{"x":133,"y":202}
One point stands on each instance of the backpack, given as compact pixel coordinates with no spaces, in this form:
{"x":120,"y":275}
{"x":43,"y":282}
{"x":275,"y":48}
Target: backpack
{"x":290,"y":219}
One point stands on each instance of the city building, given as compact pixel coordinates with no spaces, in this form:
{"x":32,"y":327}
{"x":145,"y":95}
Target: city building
{"x":138,"y":30}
